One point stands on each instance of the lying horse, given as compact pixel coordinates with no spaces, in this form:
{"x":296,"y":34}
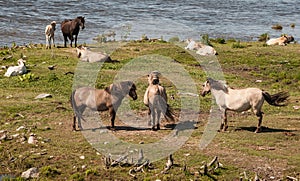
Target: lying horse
{"x":49,"y":33}
{"x":241,"y":100}
{"x":283,"y":40}
{"x":109,"y":99}
{"x":155,"y":98}
{"x":86,"y":55}
{"x":71,"y":28}
{"x":200,"y":48}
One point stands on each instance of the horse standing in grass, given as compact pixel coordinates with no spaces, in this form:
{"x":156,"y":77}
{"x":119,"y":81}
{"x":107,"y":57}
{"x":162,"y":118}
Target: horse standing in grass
{"x":155,"y":98}
{"x":108,"y":99}
{"x":49,"y":33}
{"x":239,"y":100}
{"x":70,"y":28}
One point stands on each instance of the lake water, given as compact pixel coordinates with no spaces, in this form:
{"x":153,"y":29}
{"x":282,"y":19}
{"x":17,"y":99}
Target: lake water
{"x":24,"y":21}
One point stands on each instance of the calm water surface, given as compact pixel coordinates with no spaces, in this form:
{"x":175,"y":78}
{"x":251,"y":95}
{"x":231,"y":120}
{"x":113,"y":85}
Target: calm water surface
{"x":24,"y":21}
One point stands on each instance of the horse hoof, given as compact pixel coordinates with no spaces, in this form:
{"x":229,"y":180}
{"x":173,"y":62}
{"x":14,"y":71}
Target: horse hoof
{"x":257,"y":131}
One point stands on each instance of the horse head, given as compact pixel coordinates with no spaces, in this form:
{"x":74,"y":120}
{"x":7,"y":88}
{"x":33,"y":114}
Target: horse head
{"x":81,"y":51}
{"x":132,"y":91}
{"x":153,"y":77}
{"x":206,"y":87}
{"x":121,"y":89}
{"x":82,"y":21}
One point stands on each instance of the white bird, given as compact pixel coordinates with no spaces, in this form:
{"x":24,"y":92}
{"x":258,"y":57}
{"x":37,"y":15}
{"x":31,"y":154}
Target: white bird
{"x":16,"y":70}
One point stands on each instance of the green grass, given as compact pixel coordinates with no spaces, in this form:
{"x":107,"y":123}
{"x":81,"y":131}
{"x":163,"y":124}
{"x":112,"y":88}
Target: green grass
{"x":274,"y":152}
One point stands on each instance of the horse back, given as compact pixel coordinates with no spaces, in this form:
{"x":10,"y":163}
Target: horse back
{"x":95,"y":99}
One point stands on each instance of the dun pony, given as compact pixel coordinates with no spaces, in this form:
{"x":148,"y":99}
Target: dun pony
{"x":108,"y":99}
{"x":239,"y":100}
{"x":155,"y":98}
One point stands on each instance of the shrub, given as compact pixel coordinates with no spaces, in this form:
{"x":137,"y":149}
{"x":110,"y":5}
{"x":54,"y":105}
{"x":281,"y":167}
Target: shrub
{"x":174,"y":39}
{"x":277,"y":27}
{"x":238,"y":45}
{"x":263,"y":37}
{"x":205,"y":40}
{"x":292,"y":25}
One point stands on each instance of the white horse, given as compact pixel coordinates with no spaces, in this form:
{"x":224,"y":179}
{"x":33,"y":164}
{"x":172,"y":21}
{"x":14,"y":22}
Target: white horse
{"x":282,"y":41}
{"x":49,"y":33}
{"x":200,"y":48}
{"x":86,"y":55}
{"x":155,"y":98}
{"x":16,"y":70}
{"x":239,"y":100}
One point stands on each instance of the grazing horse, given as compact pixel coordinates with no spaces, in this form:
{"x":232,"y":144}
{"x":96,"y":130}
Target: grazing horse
{"x":239,"y":100}
{"x":49,"y":33}
{"x":109,"y":99}
{"x":71,"y":28}
{"x":155,"y":98}
{"x":282,"y":41}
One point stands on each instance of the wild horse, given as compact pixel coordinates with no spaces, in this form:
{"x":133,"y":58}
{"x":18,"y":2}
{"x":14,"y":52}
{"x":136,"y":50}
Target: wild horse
{"x":239,"y":100}
{"x":70,"y":28}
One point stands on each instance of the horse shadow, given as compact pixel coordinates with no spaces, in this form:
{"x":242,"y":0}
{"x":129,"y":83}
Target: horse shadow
{"x":264,"y":129}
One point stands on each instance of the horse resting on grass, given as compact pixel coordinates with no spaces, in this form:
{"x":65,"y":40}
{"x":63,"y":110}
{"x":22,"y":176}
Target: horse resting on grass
{"x":70,"y":28}
{"x":155,"y":98}
{"x":239,"y":100}
{"x":109,"y":99}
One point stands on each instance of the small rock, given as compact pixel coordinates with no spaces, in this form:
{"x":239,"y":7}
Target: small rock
{"x":296,"y":107}
{"x":41,"y":96}
{"x":9,"y":96}
{"x":32,"y":139}
{"x":82,"y":157}
{"x":83,"y":166}
{"x":258,"y":81}
{"x":15,"y":135}
{"x":31,"y":173}
{"x":20,"y":128}
{"x":3,"y":137}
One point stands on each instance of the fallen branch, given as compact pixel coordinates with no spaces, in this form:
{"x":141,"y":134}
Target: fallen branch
{"x":169,"y":164}
{"x":138,"y":169}
{"x":291,"y":178}
{"x":119,"y":160}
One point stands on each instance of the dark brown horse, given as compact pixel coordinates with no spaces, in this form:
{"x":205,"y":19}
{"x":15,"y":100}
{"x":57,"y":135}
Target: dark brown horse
{"x":71,"y":28}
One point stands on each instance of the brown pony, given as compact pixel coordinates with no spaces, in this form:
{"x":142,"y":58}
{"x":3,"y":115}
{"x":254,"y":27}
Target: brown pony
{"x":108,"y":99}
{"x":71,"y":28}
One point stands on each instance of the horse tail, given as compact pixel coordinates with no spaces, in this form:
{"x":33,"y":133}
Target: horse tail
{"x":74,"y":106}
{"x":166,"y":109}
{"x":278,"y":99}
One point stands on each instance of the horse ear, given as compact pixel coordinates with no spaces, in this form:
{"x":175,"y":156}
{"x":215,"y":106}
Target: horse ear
{"x":109,"y":88}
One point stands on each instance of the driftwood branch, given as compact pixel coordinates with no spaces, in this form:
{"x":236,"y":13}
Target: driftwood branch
{"x":211,"y":166}
{"x":169,"y":164}
{"x":138,"y":168}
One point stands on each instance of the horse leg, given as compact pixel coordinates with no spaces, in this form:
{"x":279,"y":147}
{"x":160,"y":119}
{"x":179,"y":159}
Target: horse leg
{"x":152,"y":119}
{"x":112,"y":113}
{"x":75,"y":41}
{"x":74,"y":122}
{"x":65,"y":40}
{"x":224,"y":125}
{"x":53,"y":41}
{"x":259,"y":114}
{"x":158,"y":119}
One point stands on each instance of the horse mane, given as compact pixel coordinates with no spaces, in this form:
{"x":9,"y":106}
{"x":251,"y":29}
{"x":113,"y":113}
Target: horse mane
{"x":218,"y":85}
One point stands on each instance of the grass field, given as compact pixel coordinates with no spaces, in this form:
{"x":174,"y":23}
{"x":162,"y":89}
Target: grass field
{"x":273,"y":154}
